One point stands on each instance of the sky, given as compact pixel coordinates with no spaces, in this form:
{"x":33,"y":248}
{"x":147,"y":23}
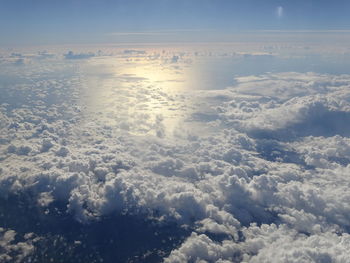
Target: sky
{"x":116,"y":146}
{"x":92,"y":21}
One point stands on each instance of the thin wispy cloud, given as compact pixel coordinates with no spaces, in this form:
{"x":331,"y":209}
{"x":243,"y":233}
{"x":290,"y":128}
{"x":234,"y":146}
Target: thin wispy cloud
{"x":156,"y":32}
{"x":304,"y":31}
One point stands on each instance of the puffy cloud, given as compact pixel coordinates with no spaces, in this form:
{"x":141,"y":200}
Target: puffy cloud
{"x":12,"y":250}
{"x":200,"y":248}
{"x":267,"y":243}
{"x":71,"y":55}
{"x":281,"y":244}
{"x":134,"y":52}
{"x":254,"y":172}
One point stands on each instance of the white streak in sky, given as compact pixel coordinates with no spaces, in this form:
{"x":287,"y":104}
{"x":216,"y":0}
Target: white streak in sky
{"x":279,"y":11}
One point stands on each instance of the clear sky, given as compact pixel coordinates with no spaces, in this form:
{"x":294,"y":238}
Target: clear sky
{"x":98,"y":21}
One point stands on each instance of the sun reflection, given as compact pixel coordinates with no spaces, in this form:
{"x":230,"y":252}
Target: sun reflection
{"x":140,"y":96}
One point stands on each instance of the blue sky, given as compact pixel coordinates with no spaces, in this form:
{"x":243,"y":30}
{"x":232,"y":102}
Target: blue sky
{"x":93,"y":21}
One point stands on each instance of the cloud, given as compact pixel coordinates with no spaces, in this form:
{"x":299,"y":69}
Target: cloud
{"x":267,"y":243}
{"x":253,"y":172}
{"x":71,"y":55}
{"x":158,"y":32}
{"x":134,"y":52}
{"x":13,"y":250}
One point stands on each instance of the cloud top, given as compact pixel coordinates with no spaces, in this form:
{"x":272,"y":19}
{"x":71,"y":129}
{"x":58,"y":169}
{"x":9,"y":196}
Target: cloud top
{"x":244,"y":170}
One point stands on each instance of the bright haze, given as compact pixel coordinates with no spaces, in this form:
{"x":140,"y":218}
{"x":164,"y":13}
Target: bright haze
{"x":174,"y":131}
{"x":92,"y":21}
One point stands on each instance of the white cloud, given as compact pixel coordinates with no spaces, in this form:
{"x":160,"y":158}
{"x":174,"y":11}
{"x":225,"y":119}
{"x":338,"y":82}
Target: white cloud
{"x":71,"y":55}
{"x":260,"y":174}
{"x":12,"y":250}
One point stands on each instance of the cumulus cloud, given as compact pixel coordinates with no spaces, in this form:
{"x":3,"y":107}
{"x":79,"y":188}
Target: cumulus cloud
{"x":12,"y":250}
{"x":72,"y":55}
{"x":134,"y":52}
{"x":250,"y":173}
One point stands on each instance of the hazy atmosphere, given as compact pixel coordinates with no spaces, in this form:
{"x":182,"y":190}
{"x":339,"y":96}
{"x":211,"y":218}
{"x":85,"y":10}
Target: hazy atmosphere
{"x":174,"y":131}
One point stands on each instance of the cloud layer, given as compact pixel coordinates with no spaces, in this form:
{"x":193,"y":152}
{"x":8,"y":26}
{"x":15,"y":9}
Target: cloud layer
{"x":250,"y":173}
